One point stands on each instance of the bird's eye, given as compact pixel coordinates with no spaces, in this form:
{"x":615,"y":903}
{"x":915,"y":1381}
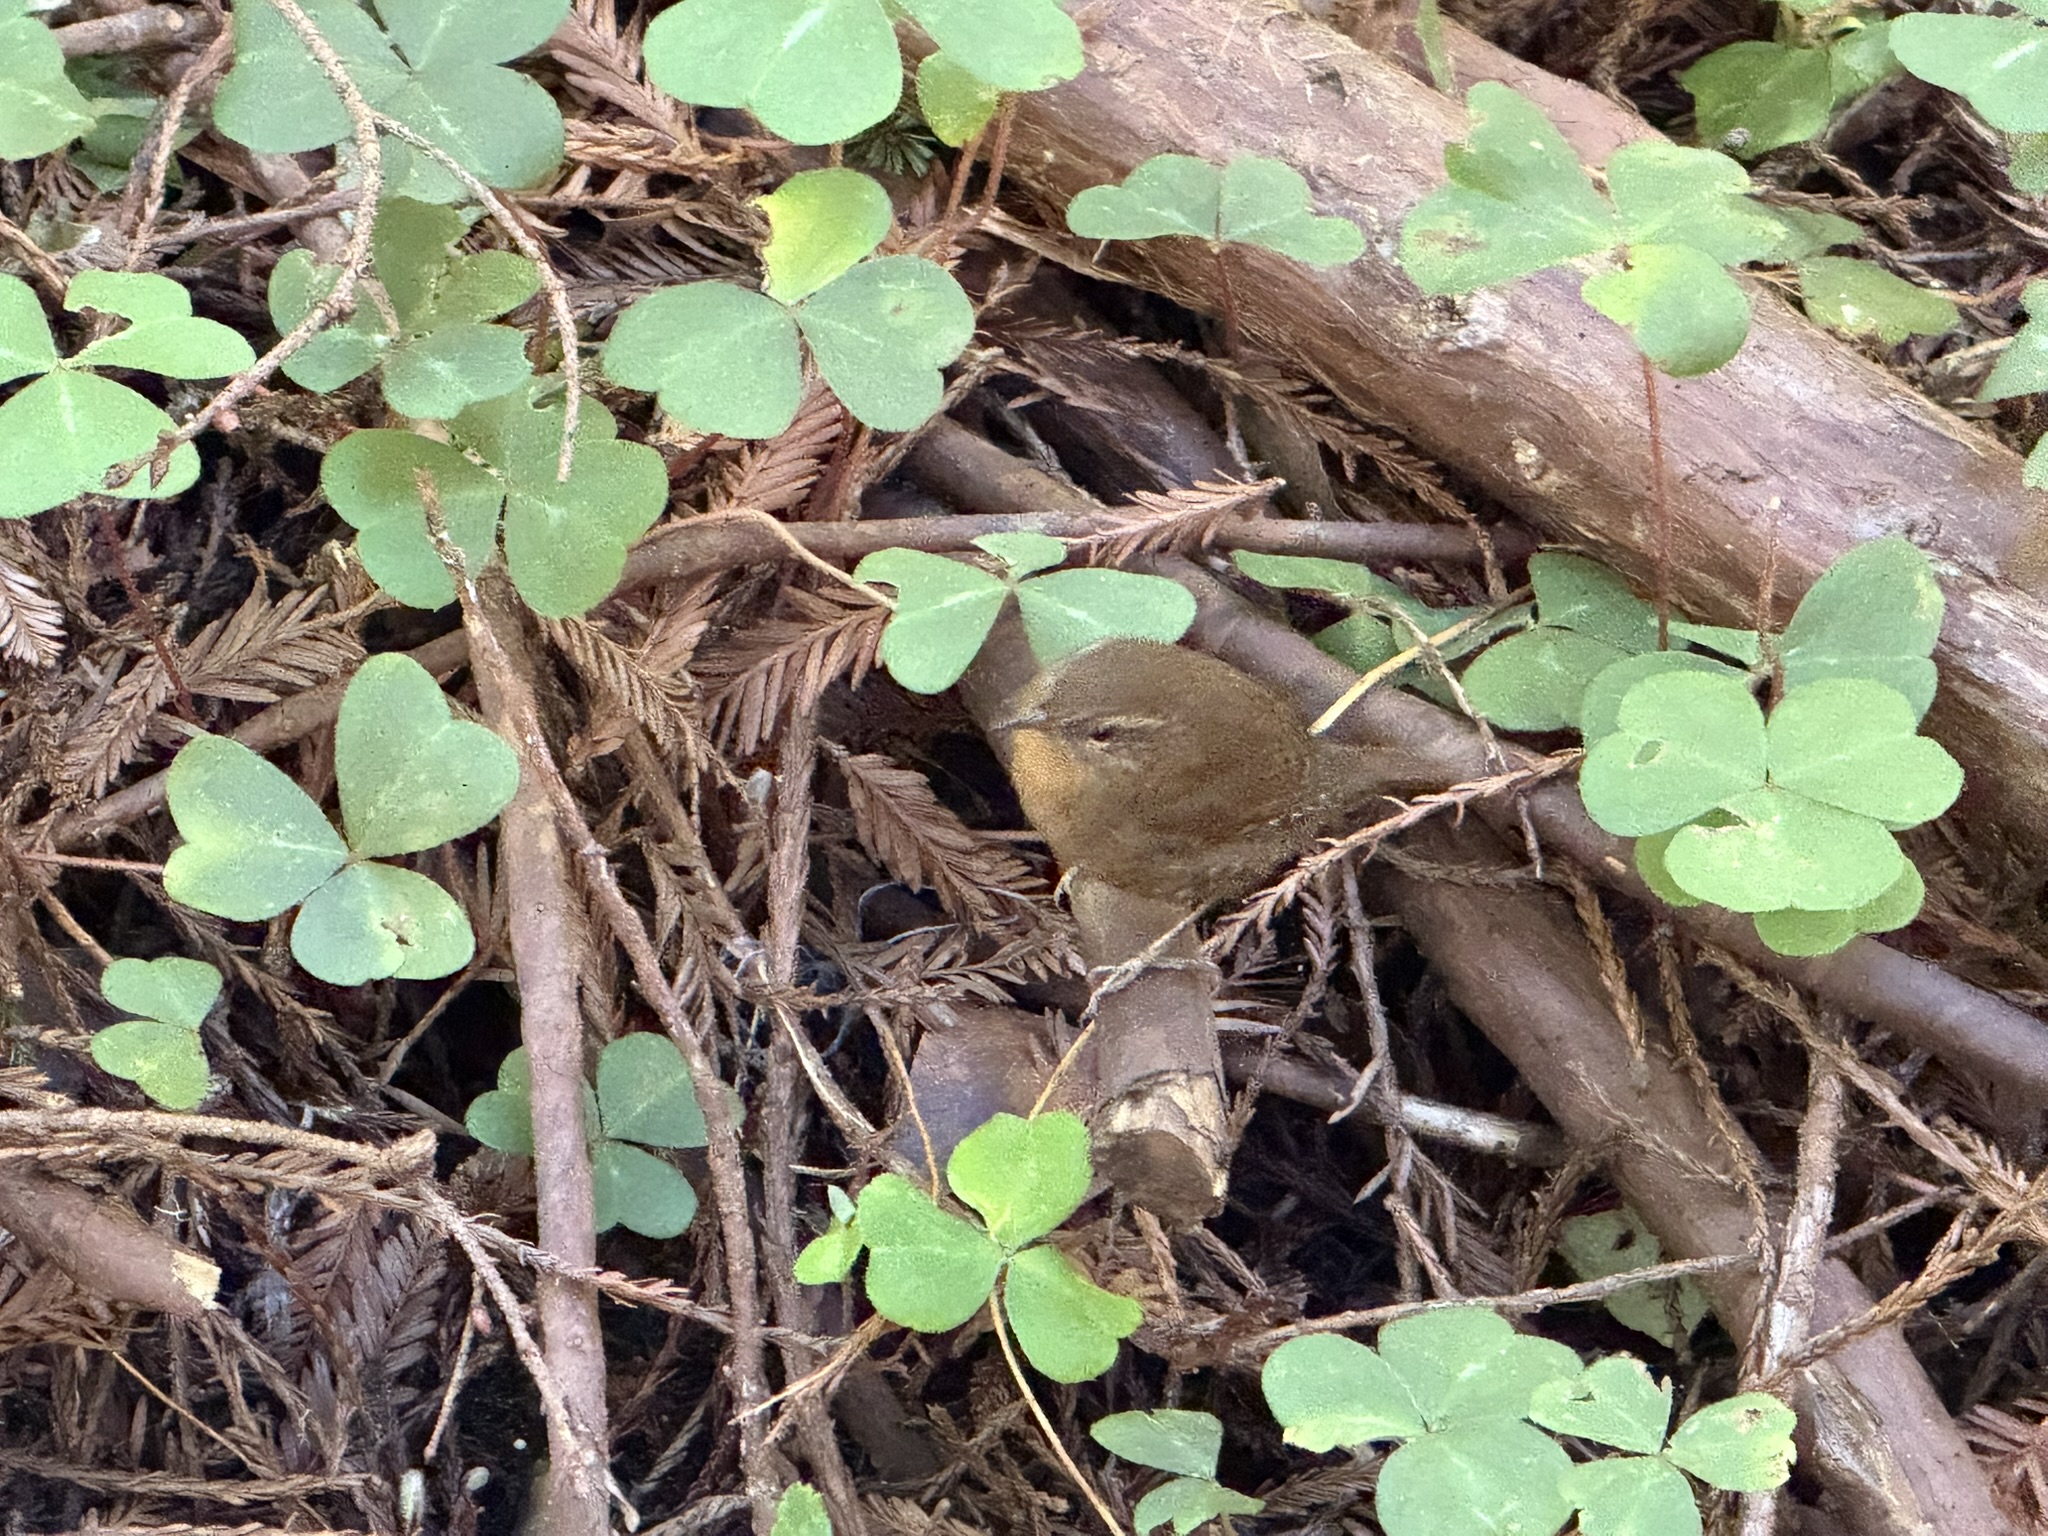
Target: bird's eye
{"x":1102,"y":735}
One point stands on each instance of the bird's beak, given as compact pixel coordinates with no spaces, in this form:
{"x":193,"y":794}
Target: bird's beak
{"x":1029,"y":717}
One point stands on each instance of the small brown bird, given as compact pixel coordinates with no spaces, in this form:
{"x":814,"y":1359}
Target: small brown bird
{"x":1173,"y":775}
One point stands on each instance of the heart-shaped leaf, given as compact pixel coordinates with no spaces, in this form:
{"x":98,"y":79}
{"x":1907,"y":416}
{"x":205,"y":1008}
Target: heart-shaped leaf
{"x":173,"y":989}
{"x":1496,"y":1476}
{"x":341,"y":353}
{"x":1669,"y":195}
{"x":2021,"y":369}
{"x":926,"y":1269}
{"x":820,"y":223}
{"x":1519,"y":201}
{"x":166,"y":1061}
{"x":1166,"y":195}
{"x":1024,"y":1177}
{"x":40,"y":109}
{"x":436,"y":374}
{"x":1014,"y":45}
{"x":1632,"y":1496}
{"x":813,"y":71}
{"x":370,"y":478}
{"x":1743,"y":1443}
{"x":503,"y":1117}
{"x":1860,"y":298}
{"x":1999,"y":63}
{"x":1535,"y":681}
{"x":255,"y":843}
{"x":638,"y":1191}
{"x":829,"y":1257}
{"x":1463,"y":1364}
{"x":954,"y":102}
{"x":644,"y":1093}
{"x":163,"y":335}
{"x":1612,"y":1242}
{"x":1874,"y":613}
{"x":1683,"y":743}
{"x":1853,"y":743}
{"x":1792,"y":932}
{"x":882,"y":332}
{"x":1171,"y":1439}
{"x":1600,"y":704}
{"x":1068,"y":611}
{"x":411,"y":776}
{"x":1329,"y":1391}
{"x":376,"y":920}
{"x":1266,"y":203}
{"x":1770,"y":848}
{"x":61,"y":434}
{"x":1067,"y":1326}
{"x":944,"y":610}
{"x":1751,"y":97}
{"x":565,"y":540}
{"x":26,"y":346}
{"x":1687,"y":315}
{"x":1188,"y":1502}
{"x":1613,"y":1401}
{"x":1583,"y":595}
{"x":722,"y":359}
{"x":1023,"y":553}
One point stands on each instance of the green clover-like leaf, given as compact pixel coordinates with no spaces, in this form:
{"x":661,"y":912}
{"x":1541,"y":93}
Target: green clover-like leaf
{"x":254,"y":845}
{"x":1582,"y":595}
{"x":1687,"y":315}
{"x":1519,"y":201}
{"x":1463,"y":1364}
{"x":1187,"y":1502}
{"x":820,"y":223}
{"x":26,"y":345}
{"x":1668,"y":195}
{"x":1874,"y":613}
{"x":955,"y":103}
{"x":1683,"y":743}
{"x":165,"y":1060}
{"x":1494,"y":1476}
{"x":1068,"y":1326}
{"x":410,"y":775}
{"x":1266,"y":203}
{"x":1769,"y":848}
{"x":1329,"y":1391}
{"x":1023,"y":553}
{"x":163,"y":335}
{"x":1854,"y":743}
{"x":1792,"y":932}
{"x":645,"y":1094}
{"x":723,"y":359}
{"x":1611,"y":1242}
{"x":1860,"y":298}
{"x":882,"y":332}
{"x":829,"y":1257}
{"x":565,"y":540}
{"x":2021,"y":369}
{"x":370,"y":479}
{"x":376,"y":920}
{"x":1165,"y":195}
{"x":503,"y":1118}
{"x":927,"y":1269}
{"x":1600,"y":704}
{"x":1743,"y":1444}
{"x":40,"y":109}
{"x":1171,"y":1439}
{"x":1630,"y":1496}
{"x":1014,"y":45}
{"x":813,"y":71}
{"x":1613,"y":1401}
{"x":1068,"y":611}
{"x":1751,"y":97}
{"x":944,"y":610}
{"x":173,"y":989}
{"x":637,"y":1190}
{"x":1998,"y":63}
{"x":1535,"y":681}
{"x":1022,"y":1177}
{"x":61,"y":434}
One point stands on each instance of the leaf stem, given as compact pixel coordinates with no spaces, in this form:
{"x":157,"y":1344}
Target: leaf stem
{"x":1052,"y":1439}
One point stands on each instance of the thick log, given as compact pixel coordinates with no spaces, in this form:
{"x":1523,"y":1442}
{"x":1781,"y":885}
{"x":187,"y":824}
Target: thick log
{"x":1540,"y":400}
